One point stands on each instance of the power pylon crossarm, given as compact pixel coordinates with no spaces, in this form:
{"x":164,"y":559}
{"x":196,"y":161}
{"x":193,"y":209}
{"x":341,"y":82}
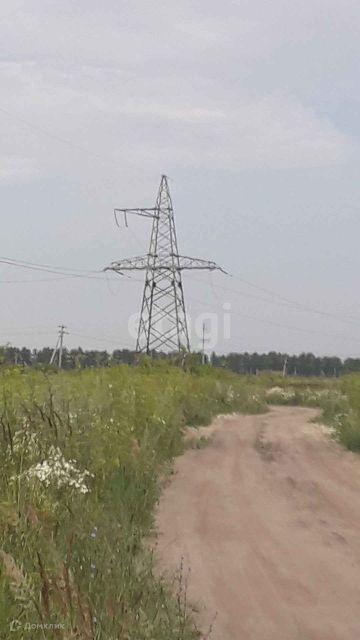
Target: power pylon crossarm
{"x":163,"y":322}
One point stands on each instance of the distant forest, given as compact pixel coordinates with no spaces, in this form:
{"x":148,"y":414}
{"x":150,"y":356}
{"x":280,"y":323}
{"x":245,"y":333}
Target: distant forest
{"x":305,"y":364}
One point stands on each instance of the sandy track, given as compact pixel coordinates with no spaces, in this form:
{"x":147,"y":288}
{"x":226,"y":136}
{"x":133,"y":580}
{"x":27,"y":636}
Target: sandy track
{"x":267,"y":518}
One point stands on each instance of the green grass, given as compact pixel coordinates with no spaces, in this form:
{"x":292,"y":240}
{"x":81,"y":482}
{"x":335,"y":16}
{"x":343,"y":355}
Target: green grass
{"x":80,"y":460}
{"x":344,"y":415}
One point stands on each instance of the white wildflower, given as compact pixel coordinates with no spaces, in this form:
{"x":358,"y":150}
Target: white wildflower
{"x":56,"y":470}
{"x":255,"y":398}
{"x":25,"y":442}
{"x":277,"y":393}
{"x":230,"y":394}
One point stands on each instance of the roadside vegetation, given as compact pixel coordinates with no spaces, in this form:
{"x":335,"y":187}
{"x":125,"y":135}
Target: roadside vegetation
{"x":343,"y":413}
{"x":338,"y":399}
{"x":82,"y":457}
{"x":299,"y":391}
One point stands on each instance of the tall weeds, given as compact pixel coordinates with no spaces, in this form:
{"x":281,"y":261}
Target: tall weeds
{"x":80,"y":458}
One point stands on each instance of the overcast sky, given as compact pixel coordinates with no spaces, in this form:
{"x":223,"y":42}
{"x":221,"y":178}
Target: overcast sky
{"x":251,"y":107}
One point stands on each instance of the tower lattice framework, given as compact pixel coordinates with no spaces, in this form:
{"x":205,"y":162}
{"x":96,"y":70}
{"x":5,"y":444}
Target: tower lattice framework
{"x":163,"y":323}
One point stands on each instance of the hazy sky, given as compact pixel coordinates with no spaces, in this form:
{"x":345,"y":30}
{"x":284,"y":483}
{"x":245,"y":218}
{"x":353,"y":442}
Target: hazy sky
{"x":252,"y":109}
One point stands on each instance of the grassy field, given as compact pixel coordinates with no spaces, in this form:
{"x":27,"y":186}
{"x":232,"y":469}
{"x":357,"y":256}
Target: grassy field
{"x":81,"y":460}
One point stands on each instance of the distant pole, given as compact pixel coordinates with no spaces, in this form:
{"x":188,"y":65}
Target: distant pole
{"x":203,"y":344}
{"x":62,"y":329}
{"x":284,"y":367}
{"x":53,"y":355}
{"x":59,"y":347}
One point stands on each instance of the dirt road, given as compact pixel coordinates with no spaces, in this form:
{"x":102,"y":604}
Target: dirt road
{"x":267,"y":518}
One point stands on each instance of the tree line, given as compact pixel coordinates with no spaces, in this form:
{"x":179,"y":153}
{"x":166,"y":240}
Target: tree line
{"x":305,"y":364}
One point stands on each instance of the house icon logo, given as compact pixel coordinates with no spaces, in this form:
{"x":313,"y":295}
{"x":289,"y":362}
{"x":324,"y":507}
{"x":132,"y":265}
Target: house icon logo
{"x":15,"y":625}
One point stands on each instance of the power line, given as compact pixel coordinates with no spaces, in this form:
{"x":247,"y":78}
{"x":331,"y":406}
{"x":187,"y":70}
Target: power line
{"x":113,"y":340}
{"x":29,"y":332}
{"x":101,"y":339}
{"x":5,"y":332}
{"x":67,"y":273}
{"x":279,"y":325}
{"x":40,"y":280}
{"x":289,"y":300}
{"x":54,"y":270}
{"x":53,"y":136}
{"x":282,"y":301}
{"x":74,"y":273}
{"x":16,"y":261}
{"x":61,"y":271}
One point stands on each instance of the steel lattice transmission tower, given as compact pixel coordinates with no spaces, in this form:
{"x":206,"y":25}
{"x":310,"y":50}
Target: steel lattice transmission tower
{"x":163,"y":323}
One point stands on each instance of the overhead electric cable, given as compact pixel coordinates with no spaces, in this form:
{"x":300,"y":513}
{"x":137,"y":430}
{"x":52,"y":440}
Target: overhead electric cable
{"x":53,"y":136}
{"x":282,"y":301}
{"x":280,"y":325}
